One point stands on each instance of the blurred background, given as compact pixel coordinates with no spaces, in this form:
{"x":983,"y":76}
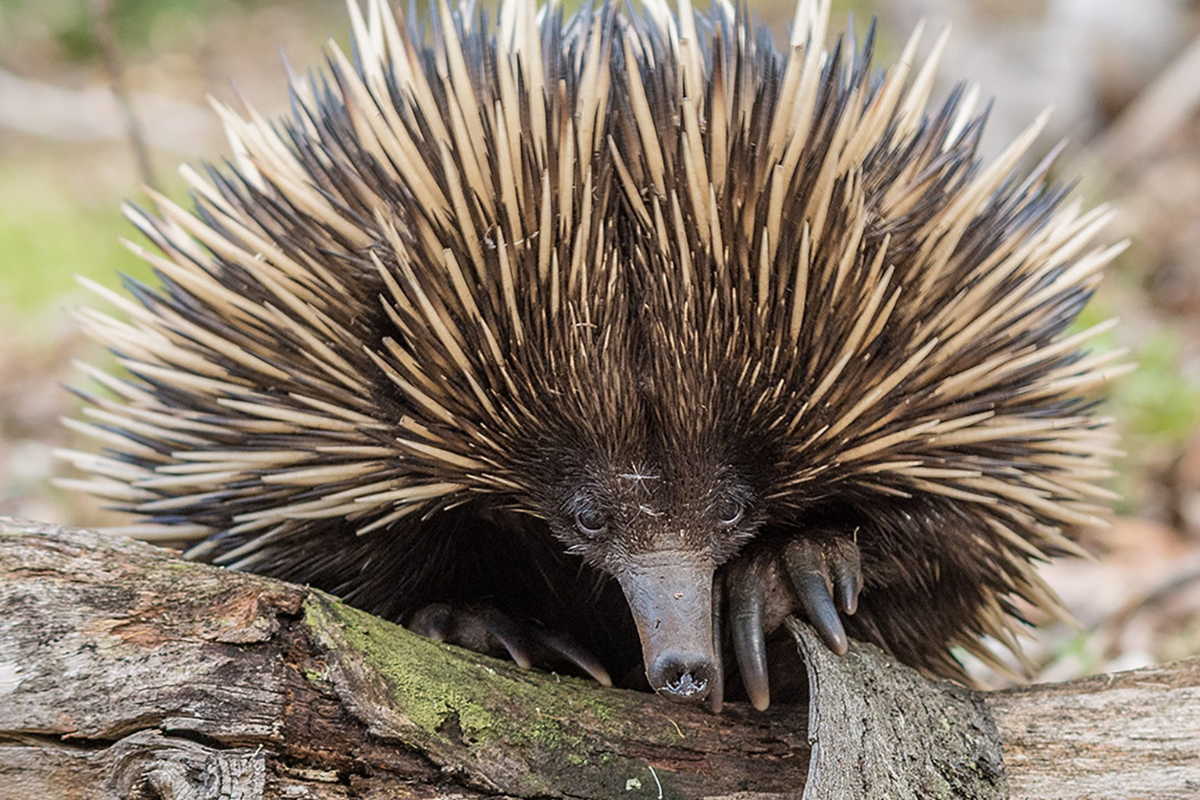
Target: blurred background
{"x":101,"y":97}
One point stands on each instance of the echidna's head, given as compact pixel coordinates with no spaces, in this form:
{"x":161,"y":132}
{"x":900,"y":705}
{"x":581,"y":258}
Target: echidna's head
{"x":648,"y":279}
{"x":661,"y":515}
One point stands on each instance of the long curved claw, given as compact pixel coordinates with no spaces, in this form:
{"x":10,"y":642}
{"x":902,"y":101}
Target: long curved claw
{"x":488,"y":630}
{"x":510,"y":634}
{"x":434,"y":621}
{"x":746,"y":599}
{"x":806,"y":566}
{"x":716,"y":696}
{"x":565,"y":647}
{"x":847,"y":573}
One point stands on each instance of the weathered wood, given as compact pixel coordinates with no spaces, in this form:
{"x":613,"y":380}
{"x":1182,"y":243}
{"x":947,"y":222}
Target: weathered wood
{"x":1124,"y":736}
{"x":107,"y":639}
{"x":883,"y":732}
{"x":126,"y":672}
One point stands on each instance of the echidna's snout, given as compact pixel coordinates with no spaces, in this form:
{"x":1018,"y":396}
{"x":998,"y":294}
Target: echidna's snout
{"x":670,"y":595}
{"x":678,"y":676}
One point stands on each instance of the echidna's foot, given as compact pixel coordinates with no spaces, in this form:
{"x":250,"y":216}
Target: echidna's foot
{"x":820,"y":578}
{"x":492,"y":632}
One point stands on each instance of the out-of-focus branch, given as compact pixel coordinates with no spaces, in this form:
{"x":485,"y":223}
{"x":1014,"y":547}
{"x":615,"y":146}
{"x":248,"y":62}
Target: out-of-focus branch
{"x":106,"y":40}
{"x":1159,"y":111}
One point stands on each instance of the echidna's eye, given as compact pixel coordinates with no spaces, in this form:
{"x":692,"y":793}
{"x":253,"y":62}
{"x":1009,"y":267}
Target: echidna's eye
{"x":731,"y":511}
{"x":590,"y":522}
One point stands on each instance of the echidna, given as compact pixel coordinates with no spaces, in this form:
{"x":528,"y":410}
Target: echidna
{"x":560,"y":333}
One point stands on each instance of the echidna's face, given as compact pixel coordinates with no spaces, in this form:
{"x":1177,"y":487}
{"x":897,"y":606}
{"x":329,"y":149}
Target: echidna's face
{"x":661,"y":527}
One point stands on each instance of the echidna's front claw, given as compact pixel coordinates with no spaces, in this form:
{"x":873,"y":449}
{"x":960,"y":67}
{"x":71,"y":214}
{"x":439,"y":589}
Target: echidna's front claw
{"x":820,"y":577}
{"x":434,"y":621}
{"x":847,"y":574}
{"x":488,"y":630}
{"x":819,"y":571}
{"x":747,"y":595}
{"x":567,"y":648}
{"x":716,"y":696}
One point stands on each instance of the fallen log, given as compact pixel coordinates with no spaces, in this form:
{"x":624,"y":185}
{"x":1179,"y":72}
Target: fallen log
{"x":128,"y":672}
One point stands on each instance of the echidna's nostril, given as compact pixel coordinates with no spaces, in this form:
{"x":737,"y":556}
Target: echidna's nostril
{"x":681,"y":677}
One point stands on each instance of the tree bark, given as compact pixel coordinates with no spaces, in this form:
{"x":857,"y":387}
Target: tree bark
{"x":127,"y":672}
